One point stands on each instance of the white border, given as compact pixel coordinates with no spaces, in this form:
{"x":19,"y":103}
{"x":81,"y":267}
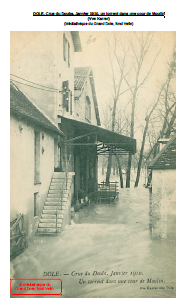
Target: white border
{"x":17,"y":16}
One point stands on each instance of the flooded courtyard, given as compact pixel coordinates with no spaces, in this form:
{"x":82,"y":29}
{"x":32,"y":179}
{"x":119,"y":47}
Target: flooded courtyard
{"x":109,"y":250}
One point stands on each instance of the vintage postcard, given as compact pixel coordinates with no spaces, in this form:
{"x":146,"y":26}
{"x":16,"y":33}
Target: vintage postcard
{"x":93,"y":164}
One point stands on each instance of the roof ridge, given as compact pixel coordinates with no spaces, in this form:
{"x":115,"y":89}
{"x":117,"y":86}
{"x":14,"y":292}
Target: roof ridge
{"x":37,"y":107}
{"x":83,"y":67}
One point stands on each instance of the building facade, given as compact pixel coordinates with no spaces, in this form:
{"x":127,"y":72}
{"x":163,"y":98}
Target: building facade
{"x":43,"y":75}
{"x":32,"y":159}
{"x":43,"y":68}
{"x":163,"y":191}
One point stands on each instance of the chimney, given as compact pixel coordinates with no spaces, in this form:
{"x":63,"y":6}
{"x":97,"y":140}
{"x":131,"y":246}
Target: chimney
{"x":162,"y":142}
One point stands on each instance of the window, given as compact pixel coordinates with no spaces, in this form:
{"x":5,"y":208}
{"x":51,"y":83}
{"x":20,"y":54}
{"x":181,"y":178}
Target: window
{"x":58,"y":156}
{"x":36,"y":157}
{"x":65,"y":92}
{"x":71,"y":103}
{"x":88,"y":109}
{"x":64,"y":47}
{"x":66,"y":50}
{"x":69,"y":54}
{"x":36,"y":204}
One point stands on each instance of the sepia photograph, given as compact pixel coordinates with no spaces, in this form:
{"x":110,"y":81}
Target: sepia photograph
{"x":92,"y":164}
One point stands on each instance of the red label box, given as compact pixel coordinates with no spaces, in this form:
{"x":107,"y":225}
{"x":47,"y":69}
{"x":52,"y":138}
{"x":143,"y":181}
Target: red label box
{"x":36,"y":286}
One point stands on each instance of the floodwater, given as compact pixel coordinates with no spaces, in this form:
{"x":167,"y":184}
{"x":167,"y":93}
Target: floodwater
{"x":107,"y":251}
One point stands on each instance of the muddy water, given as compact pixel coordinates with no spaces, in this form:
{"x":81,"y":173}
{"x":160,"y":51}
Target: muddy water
{"x":111,"y":247}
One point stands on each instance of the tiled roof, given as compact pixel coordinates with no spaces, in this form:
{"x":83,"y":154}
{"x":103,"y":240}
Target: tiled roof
{"x":166,"y":158}
{"x":81,"y":74}
{"x":76,"y":41}
{"x":20,"y":105}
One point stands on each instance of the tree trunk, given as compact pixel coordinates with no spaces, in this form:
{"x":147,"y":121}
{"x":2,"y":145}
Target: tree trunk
{"x":108,"y":169}
{"x":128,"y":171}
{"x":120,"y":172}
{"x":141,"y":155}
{"x":110,"y":156}
{"x":156,"y":145}
{"x":114,"y":170}
{"x":169,"y":129}
{"x":131,"y":133}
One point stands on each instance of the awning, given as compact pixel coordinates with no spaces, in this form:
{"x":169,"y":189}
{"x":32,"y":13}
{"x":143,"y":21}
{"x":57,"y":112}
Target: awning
{"x":106,"y":141}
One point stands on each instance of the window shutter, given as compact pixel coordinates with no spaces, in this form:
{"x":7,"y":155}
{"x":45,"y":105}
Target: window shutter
{"x":71,"y":103}
{"x":36,"y":204}
{"x":64,"y":47}
{"x":65,"y":87}
{"x":69,"y":54}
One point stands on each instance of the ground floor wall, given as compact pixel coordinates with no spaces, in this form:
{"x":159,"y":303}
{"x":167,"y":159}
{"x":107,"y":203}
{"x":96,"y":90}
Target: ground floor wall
{"x":80,"y":154}
{"x":86,"y":171}
{"x":163,"y":203}
{"x":28,"y":192}
{"x":67,"y":212}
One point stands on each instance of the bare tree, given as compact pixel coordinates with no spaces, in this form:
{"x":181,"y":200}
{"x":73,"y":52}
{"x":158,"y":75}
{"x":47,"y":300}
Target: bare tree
{"x":167,"y":107}
{"x":140,"y":51}
{"x":147,"y":119}
{"x":115,"y":56}
{"x":130,"y":69}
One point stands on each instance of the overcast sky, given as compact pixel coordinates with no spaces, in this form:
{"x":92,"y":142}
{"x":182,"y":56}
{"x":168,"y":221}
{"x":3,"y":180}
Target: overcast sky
{"x":95,"y":54}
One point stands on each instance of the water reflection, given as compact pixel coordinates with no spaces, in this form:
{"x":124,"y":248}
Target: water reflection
{"x":108,"y":237}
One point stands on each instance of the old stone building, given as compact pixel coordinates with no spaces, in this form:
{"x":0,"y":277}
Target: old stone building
{"x":163,"y":190}
{"x":32,"y":139}
{"x":43,"y":74}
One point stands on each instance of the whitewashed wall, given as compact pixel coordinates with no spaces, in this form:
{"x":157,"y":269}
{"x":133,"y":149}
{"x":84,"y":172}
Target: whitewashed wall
{"x":40,"y":60}
{"x":163,"y":204}
{"x":22,"y":171}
